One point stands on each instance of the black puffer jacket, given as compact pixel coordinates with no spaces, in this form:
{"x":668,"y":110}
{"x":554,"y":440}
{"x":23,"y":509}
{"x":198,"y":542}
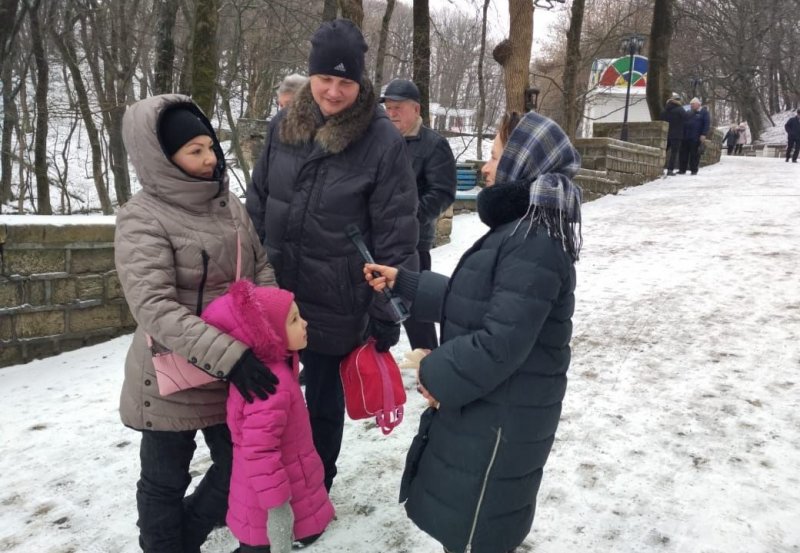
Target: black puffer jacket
{"x":435,"y":169}
{"x":314,"y":178}
{"x":474,"y":469}
{"x":792,"y":127}
{"x":676,"y":116}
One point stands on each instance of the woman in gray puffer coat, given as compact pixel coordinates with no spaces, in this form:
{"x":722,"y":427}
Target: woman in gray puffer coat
{"x":176,"y":250}
{"x":496,"y":383}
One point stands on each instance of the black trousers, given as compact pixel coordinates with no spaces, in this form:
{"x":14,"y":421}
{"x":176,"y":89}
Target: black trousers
{"x":730,"y":149}
{"x":673,"y":150}
{"x":690,"y":156}
{"x":793,"y":143}
{"x":421,"y":335}
{"x":325,"y":400}
{"x":168,"y":521}
{"x":737,"y":150}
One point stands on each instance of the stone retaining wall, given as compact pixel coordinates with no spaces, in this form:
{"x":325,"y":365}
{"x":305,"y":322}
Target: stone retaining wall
{"x":59,"y":290}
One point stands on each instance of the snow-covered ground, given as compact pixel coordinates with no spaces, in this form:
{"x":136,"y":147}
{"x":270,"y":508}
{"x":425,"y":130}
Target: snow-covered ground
{"x":777,"y":134}
{"x":681,"y":424}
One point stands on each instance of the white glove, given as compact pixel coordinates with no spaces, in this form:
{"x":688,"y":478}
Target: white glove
{"x":412,"y":359}
{"x":280,"y":528}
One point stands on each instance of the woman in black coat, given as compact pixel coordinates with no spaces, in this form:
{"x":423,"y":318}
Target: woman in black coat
{"x":496,"y":383}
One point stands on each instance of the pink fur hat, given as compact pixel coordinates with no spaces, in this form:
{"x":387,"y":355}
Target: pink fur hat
{"x":255,"y":315}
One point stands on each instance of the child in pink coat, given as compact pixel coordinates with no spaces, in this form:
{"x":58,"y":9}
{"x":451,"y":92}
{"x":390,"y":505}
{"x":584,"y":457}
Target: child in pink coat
{"x":277,"y":491}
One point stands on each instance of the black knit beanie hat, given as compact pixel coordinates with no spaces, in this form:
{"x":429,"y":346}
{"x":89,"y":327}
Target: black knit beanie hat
{"x":337,"y":49}
{"x":178,"y":126}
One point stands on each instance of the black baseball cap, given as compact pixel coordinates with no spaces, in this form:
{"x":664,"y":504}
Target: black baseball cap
{"x":401,"y":89}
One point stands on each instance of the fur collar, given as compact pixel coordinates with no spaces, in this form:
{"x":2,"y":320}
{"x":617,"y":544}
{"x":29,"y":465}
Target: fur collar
{"x":503,"y":203}
{"x":303,"y":121}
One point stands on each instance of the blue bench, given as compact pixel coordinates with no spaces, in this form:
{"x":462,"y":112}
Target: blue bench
{"x":466,"y":176}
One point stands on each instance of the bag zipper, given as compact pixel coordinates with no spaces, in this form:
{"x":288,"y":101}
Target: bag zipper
{"x":483,"y":490}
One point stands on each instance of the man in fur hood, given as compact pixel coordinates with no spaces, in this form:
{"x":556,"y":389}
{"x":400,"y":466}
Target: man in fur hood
{"x":333,"y":159}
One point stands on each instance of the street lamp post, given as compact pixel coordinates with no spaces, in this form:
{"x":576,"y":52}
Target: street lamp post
{"x":631,"y":45}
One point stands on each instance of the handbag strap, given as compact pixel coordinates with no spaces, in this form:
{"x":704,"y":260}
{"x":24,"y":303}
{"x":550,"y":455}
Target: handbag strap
{"x":392,"y":415}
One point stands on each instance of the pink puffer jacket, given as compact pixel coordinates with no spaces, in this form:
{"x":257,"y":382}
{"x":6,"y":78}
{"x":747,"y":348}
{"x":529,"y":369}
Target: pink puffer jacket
{"x":274,"y":459}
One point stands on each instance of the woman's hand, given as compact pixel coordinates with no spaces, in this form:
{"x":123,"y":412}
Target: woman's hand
{"x":432,"y":401}
{"x":386,"y":276}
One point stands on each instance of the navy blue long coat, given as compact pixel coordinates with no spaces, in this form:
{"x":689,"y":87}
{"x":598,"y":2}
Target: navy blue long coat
{"x":474,"y":469}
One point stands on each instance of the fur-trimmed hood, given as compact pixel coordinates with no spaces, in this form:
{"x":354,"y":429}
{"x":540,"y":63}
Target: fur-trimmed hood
{"x":304,"y":122}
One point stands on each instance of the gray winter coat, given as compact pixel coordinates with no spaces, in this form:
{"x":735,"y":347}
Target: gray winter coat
{"x":474,"y":469}
{"x":314,"y":178}
{"x":175,"y":251}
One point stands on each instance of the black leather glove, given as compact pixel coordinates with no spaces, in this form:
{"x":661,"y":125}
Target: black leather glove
{"x":251,"y":376}
{"x":386,"y":333}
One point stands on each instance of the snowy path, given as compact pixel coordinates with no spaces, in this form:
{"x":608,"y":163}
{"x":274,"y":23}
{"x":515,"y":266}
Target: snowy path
{"x":681,"y":424}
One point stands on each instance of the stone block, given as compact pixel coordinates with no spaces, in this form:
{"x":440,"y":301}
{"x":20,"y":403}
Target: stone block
{"x":39,"y":349}
{"x":70,"y":234}
{"x":10,"y":293}
{"x":42,"y":323}
{"x":91,"y":261}
{"x":113,"y":287}
{"x":63,"y":291}
{"x":33,"y":292}
{"x":29,"y":262}
{"x":25,"y":234}
{"x":6,"y":328}
{"x":10,"y":354}
{"x":128,"y":321}
{"x":93,"y":318}
{"x":90,"y":287}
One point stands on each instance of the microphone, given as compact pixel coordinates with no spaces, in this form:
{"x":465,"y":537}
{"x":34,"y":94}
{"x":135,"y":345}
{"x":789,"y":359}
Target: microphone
{"x":399,"y":309}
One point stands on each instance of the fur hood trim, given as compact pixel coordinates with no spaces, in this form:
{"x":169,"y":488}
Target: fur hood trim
{"x":303,"y":121}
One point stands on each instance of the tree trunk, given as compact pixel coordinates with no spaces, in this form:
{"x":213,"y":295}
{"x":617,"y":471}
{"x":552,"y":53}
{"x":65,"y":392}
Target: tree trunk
{"x":516,"y":65}
{"x":10,"y":117}
{"x":329,"y":10}
{"x":480,"y":123}
{"x":571,"y":67}
{"x":67,"y":48}
{"x":658,"y":90}
{"x":10,"y":20}
{"x":165,"y":46}
{"x":381,"y":55}
{"x":42,"y":114}
{"x":422,"y":55}
{"x":204,"y":54}
{"x":352,"y":10}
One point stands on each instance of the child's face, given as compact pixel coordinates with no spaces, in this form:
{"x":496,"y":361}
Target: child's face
{"x":296,"y":336}
{"x":197,"y":157}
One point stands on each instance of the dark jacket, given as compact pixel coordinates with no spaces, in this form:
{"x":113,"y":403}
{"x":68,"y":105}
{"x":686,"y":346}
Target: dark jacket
{"x":435,"y":169}
{"x":697,"y":125}
{"x":314,"y":178}
{"x":793,"y":127}
{"x":475,"y":467}
{"x":731,"y":137}
{"x":676,"y":116}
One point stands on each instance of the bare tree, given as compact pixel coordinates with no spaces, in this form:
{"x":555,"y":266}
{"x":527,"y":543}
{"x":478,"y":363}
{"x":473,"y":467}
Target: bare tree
{"x":43,"y":206}
{"x":329,"y":9}
{"x":572,"y":64}
{"x":384,"y":36}
{"x":514,"y":53}
{"x":204,"y":54}
{"x":64,"y":40}
{"x":481,"y":81}
{"x":165,"y":46}
{"x":658,"y":71}
{"x":352,"y":10}
{"x":421,"y":53}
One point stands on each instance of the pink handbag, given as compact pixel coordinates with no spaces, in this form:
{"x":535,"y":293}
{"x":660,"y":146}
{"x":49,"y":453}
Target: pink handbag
{"x":373,"y":386}
{"x":174,"y":372}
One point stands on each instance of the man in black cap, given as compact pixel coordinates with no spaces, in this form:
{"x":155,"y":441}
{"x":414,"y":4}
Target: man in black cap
{"x":330,"y":160}
{"x":435,"y":169}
